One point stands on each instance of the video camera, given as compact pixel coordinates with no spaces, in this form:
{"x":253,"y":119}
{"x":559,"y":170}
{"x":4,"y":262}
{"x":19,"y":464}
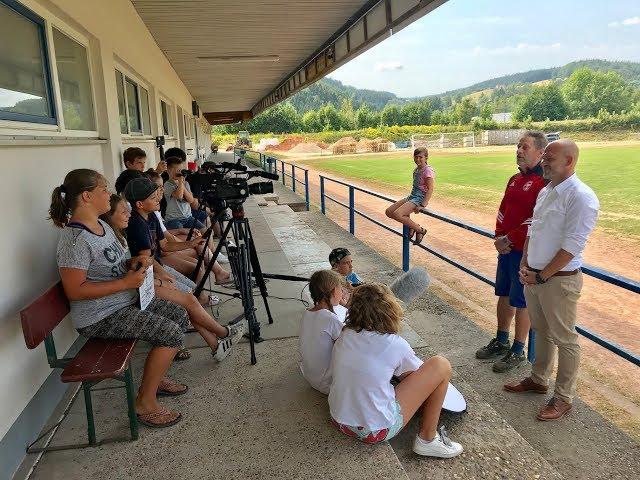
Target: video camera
{"x":219,"y":191}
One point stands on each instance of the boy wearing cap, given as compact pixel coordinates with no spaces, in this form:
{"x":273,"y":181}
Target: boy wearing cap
{"x":145,"y":237}
{"x":341,"y":261}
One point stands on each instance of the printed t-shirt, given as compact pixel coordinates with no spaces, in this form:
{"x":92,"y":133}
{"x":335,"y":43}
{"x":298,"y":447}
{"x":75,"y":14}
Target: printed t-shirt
{"x":144,"y":234}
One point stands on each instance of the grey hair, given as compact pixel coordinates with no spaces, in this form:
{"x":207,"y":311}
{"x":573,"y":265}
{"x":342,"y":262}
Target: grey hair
{"x":539,"y":138}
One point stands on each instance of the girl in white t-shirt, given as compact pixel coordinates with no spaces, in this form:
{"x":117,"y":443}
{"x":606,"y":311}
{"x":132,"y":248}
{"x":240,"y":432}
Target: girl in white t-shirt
{"x":319,"y":328}
{"x":362,"y":401}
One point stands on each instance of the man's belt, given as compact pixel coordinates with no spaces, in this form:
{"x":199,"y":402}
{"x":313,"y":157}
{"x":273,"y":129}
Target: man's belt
{"x":558,"y":274}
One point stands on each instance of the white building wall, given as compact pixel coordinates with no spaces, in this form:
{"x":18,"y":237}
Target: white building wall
{"x":35,"y":159}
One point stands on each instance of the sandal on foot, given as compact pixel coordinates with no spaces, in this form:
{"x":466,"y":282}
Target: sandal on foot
{"x":167,"y":388}
{"x":228,"y":281}
{"x":159,"y":419}
{"x":183,"y":354}
{"x":411,"y":233}
{"x":420,"y":235}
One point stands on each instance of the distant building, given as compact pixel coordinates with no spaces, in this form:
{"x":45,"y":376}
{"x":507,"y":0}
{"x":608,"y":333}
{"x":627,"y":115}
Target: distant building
{"x":505,"y":117}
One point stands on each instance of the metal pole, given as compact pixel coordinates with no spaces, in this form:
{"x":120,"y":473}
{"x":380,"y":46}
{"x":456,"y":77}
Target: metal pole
{"x":322,"y":206}
{"x":293,"y":177}
{"x":283,"y":175}
{"x":352,"y":213}
{"x":275,"y":165}
{"x":306,"y":188}
{"x":406,"y":243}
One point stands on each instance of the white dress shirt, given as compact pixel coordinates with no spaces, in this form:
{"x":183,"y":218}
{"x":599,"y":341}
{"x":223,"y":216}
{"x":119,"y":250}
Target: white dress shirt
{"x":563,"y":218}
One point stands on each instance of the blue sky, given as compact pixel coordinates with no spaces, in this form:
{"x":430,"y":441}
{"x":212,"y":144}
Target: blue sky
{"x":466,"y":41}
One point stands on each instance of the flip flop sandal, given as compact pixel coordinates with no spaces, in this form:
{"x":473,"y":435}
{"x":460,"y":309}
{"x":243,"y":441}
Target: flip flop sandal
{"x":411,"y":233}
{"x":171,"y":389}
{"x":419,"y":236}
{"x":161,"y":419}
{"x":182,"y":355}
{"x":212,"y":301}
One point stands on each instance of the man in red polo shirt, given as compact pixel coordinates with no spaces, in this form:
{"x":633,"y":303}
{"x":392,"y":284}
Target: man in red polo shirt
{"x":514,"y":218}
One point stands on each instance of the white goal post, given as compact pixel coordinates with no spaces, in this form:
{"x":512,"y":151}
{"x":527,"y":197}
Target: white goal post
{"x":443,"y":140}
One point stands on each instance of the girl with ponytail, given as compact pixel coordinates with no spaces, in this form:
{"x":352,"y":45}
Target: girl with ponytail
{"x":101,"y":280}
{"x":319,"y":328}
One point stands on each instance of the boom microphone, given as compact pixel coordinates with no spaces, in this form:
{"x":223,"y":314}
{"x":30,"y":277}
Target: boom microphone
{"x":261,"y":174}
{"x":408,"y":286}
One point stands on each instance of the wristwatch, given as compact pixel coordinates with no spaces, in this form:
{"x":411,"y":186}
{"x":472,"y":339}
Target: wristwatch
{"x":539,"y":279}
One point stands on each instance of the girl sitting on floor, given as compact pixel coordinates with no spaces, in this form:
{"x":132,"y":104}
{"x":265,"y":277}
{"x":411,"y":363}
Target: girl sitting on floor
{"x":319,"y":328}
{"x":362,"y":401}
{"x":100,"y":282}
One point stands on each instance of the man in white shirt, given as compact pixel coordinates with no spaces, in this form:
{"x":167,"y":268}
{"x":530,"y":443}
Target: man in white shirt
{"x":565,"y":213}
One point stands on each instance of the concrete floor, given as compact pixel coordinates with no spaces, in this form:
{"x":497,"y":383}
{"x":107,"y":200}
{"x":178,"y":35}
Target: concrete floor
{"x":242,"y":421}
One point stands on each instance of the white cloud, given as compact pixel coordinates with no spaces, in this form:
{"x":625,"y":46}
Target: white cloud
{"x":388,"y":66}
{"x":519,"y":49}
{"x":626,"y":22}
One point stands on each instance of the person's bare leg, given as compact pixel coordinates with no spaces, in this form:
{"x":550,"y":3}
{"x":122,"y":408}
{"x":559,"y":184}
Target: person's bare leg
{"x":505,"y":313}
{"x":402,"y":215}
{"x":197,"y":314}
{"x":426,"y":388}
{"x":523,"y":324}
{"x":155,"y":368}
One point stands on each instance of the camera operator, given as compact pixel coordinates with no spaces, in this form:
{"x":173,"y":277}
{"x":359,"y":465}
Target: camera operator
{"x":180,"y":200}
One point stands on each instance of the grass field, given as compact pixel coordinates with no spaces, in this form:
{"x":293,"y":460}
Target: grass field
{"x":479,"y":179}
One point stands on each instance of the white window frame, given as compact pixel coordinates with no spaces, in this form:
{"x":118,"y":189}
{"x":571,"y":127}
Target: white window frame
{"x":12,"y":127}
{"x":171,"y":117}
{"x":128,"y":74}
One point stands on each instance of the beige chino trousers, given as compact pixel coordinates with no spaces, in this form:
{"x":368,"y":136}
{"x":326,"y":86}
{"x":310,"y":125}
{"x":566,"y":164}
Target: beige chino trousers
{"x":552,"y":308}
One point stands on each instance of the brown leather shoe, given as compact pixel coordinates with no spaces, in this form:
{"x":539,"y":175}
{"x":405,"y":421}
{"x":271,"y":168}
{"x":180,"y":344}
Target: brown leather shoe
{"x":525,"y":385}
{"x":554,"y":409}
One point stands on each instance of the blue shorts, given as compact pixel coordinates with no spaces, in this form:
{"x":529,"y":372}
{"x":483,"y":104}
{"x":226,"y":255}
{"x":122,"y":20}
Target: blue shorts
{"x":186,"y":222}
{"x":508,"y":281}
{"x":200,"y":215}
{"x":416,"y":198}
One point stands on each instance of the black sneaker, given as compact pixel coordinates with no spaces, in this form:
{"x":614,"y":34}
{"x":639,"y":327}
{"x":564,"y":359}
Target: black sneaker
{"x":493,"y":350}
{"x":509,"y":361}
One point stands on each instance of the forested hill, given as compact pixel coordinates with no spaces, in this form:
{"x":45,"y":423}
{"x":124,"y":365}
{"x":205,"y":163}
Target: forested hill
{"x":329,"y":91}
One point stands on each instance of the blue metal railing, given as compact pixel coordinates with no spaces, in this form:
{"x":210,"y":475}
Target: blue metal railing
{"x":270,"y":164}
{"x":592,"y":271}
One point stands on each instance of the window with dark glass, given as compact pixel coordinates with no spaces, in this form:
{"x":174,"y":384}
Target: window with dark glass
{"x":25,"y":86}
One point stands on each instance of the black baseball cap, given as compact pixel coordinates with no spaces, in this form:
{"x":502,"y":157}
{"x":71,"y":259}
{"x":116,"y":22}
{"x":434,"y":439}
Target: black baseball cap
{"x":139,"y":189}
{"x":337,"y":254}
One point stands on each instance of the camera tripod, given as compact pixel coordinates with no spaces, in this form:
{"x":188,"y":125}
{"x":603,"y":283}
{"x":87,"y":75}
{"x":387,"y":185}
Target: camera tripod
{"x":244,"y":263}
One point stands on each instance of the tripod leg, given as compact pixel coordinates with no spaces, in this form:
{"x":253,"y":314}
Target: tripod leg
{"x":255,"y":264}
{"x":247,"y":301}
{"x":209,"y":268}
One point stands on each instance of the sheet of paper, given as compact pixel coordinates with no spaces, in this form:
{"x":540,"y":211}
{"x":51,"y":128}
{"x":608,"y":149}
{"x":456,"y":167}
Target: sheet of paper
{"x":147,"y":291}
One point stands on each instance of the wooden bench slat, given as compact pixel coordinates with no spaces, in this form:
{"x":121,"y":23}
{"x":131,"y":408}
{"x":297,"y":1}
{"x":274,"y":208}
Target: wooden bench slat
{"x":99,"y":359}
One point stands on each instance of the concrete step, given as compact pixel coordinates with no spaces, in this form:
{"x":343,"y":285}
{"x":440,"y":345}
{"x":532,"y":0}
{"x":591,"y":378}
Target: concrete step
{"x":500,"y":427}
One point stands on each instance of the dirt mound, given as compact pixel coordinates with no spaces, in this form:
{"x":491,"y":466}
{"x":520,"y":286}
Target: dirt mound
{"x":344,"y":145}
{"x":306,"y":148}
{"x":286,"y":145}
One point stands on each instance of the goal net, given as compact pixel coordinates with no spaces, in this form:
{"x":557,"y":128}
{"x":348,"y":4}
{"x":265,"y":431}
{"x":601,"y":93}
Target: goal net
{"x":443,"y":140}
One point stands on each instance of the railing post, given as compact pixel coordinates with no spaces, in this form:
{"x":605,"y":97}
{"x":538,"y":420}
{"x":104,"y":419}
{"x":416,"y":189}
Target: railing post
{"x":352,"y":213}
{"x":406,"y":243}
{"x":283,"y":175}
{"x":306,"y":188}
{"x":293,"y":177}
{"x":275,"y":165}
{"x":322,"y":206}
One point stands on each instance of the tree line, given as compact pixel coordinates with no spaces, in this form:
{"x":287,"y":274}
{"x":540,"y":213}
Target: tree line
{"x":586,"y":93}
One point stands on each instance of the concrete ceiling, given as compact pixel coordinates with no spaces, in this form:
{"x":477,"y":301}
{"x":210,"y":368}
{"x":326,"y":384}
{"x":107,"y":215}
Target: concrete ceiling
{"x":291,"y":30}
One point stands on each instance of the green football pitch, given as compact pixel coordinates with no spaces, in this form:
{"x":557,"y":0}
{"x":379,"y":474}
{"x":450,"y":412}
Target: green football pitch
{"x":478,"y":179}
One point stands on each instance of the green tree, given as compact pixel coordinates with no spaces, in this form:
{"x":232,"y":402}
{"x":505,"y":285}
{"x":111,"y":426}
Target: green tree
{"x":365,"y":117}
{"x":541,"y":103}
{"x":329,"y":118}
{"x":310,"y":122}
{"x":416,"y":113}
{"x":348,"y":115}
{"x":464,"y":111}
{"x":587,"y":91}
{"x":390,"y":115}
{"x":281,"y":118}
{"x":486,"y":111}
